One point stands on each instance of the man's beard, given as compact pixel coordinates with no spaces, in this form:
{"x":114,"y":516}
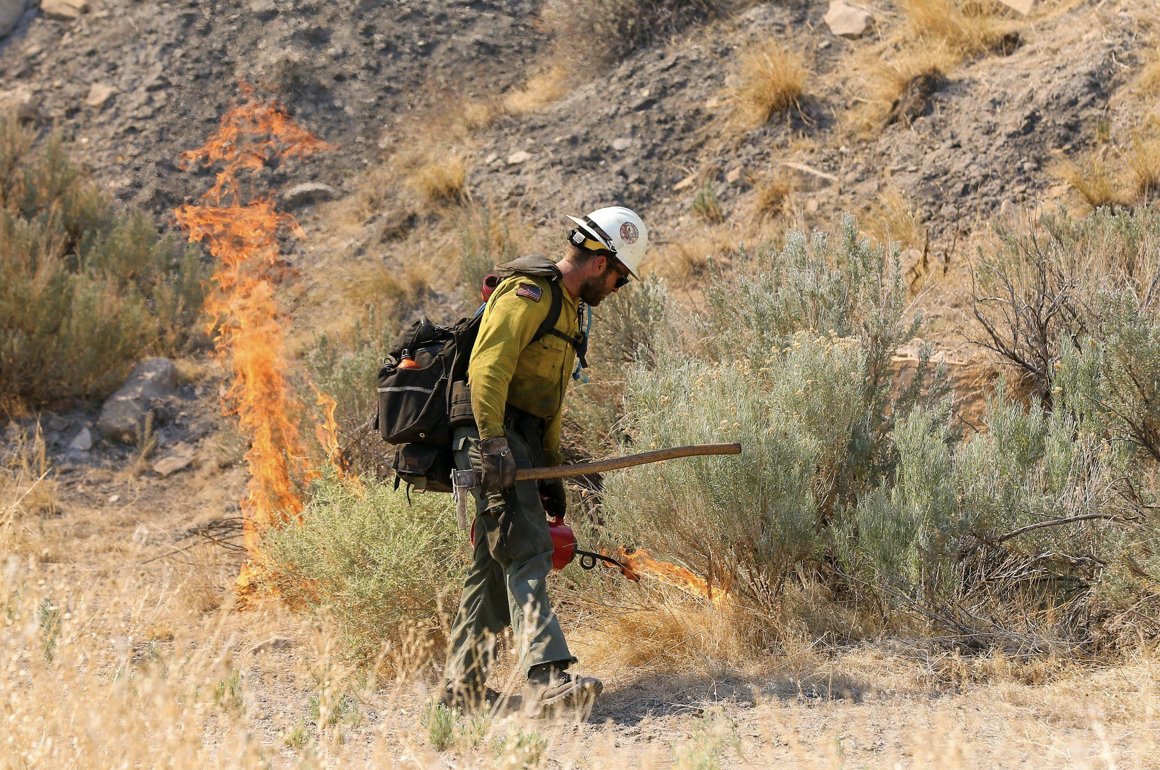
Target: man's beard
{"x":592,"y":290}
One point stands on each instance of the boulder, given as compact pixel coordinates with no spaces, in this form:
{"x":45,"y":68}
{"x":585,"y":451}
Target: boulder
{"x":520,"y":156}
{"x":10,"y":13}
{"x":847,"y":20}
{"x":124,"y":413}
{"x":64,"y":9}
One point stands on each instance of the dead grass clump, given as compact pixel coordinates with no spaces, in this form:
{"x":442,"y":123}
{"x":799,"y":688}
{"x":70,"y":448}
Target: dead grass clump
{"x":967,"y":29}
{"x":542,"y":89}
{"x":26,"y":485}
{"x":771,"y":196}
{"x":440,"y":179}
{"x":771,"y":79}
{"x":900,"y":89}
{"x":1095,"y":180}
{"x":1117,"y":176}
{"x":1144,"y":165}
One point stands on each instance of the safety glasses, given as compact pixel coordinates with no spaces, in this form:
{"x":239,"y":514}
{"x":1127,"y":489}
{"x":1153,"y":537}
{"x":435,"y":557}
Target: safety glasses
{"x":621,"y":278}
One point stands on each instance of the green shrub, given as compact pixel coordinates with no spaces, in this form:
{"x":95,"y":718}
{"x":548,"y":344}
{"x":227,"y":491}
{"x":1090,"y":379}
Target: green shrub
{"x":1044,"y":285}
{"x":628,"y":329}
{"x":797,"y":368}
{"x":380,"y":567}
{"x":88,"y":288}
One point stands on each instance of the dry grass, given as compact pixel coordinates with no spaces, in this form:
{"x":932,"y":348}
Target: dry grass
{"x":1143,"y":157}
{"x":772,"y":196}
{"x":967,"y":29}
{"x":894,"y":219}
{"x":1095,"y":180}
{"x":771,"y":79}
{"x":26,"y":484}
{"x":1117,"y":176}
{"x":542,"y":89}
{"x":440,"y":178}
{"x":880,"y":85}
{"x":688,"y":258}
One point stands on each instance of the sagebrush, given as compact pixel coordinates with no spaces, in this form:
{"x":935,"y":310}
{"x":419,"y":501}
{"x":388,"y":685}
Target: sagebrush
{"x":88,"y":288}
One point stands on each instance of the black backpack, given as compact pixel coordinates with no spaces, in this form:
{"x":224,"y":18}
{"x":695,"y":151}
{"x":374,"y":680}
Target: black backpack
{"x":422,"y":400}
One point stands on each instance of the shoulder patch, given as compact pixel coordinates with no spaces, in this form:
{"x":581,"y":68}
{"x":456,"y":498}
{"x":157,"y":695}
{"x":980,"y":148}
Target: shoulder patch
{"x":531,"y":291}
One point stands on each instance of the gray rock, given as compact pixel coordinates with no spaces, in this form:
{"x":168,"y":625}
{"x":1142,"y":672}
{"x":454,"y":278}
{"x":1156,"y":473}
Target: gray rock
{"x":20,"y":101}
{"x":10,"y":13}
{"x":522,"y":156}
{"x":308,"y":192}
{"x":64,"y":9}
{"x":99,"y":94}
{"x":124,"y":413}
{"x":847,"y":20}
{"x":177,"y":459}
{"x":621,"y":144}
{"x":83,"y":441}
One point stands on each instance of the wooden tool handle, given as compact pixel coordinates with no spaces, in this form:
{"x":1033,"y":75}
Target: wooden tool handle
{"x":627,"y":461}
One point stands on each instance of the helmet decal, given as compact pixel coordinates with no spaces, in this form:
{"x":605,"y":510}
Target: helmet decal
{"x":629,"y":233}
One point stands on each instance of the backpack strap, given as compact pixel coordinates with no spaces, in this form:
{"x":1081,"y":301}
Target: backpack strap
{"x":579,"y":342}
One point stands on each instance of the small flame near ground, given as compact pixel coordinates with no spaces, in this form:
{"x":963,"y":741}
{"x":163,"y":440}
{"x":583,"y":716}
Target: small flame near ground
{"x":639,"y":562}
{"x":240,"y":231}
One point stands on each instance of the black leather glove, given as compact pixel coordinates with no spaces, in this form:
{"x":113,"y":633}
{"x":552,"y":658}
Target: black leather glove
{"x":554,"y":497}
{"x":498,"y":466}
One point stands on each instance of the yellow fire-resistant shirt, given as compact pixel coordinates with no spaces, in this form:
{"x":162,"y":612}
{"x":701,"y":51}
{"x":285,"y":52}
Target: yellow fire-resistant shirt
{"x":508,"y":368}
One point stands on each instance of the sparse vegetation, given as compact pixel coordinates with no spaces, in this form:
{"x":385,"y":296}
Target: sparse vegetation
{"x":88,"y":288}
{"x":969,"y":29}
{"x":707,"y":205}
{"x":614,"y":29}
{"x":440,"y":179}
{"x":772,"y":195}
{"x":771,"y":79}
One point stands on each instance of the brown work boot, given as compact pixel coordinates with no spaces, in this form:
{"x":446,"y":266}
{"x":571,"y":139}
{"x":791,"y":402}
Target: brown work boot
{"x":551,"y":690}
{"x":467,"y":698}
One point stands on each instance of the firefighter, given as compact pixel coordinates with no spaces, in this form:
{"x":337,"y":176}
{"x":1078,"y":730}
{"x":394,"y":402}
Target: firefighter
{"x":517,"y":389}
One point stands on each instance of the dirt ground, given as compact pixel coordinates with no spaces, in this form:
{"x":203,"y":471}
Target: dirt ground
{"x":122,"y":647}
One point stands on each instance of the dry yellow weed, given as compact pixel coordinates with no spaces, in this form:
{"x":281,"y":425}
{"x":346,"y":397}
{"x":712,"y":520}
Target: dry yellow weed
{"x":440,"y":179}
{"x":541,"y":90}
{"x":772,"y":196}
{"x":770,"y":79}
{"x":971,"y":33}
{"x":883,"y":86}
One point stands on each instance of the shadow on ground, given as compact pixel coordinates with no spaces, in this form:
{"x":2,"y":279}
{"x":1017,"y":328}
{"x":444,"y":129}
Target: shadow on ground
{"x":660,"y":695}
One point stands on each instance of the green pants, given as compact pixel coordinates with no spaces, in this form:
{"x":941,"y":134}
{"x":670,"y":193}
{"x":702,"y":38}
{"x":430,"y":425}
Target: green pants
{"x":507,"y":582}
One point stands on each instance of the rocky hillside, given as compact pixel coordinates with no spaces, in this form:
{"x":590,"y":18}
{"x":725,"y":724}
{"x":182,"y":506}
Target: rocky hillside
{"x":925,"y":120}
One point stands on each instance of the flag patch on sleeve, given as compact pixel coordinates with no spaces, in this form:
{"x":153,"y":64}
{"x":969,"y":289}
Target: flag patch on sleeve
{"x":531,"y":291}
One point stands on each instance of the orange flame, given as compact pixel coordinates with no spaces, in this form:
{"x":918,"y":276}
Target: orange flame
{"x":640,"y":562}
{"x":327,"y":431}
{"x":242,"y":237}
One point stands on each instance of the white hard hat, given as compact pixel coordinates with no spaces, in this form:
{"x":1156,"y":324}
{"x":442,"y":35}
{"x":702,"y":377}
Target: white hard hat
{"x":616,"y":230}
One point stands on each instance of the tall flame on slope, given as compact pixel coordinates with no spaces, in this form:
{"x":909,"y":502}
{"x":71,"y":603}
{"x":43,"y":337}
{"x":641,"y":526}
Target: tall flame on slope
{"x":241,"y":233}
